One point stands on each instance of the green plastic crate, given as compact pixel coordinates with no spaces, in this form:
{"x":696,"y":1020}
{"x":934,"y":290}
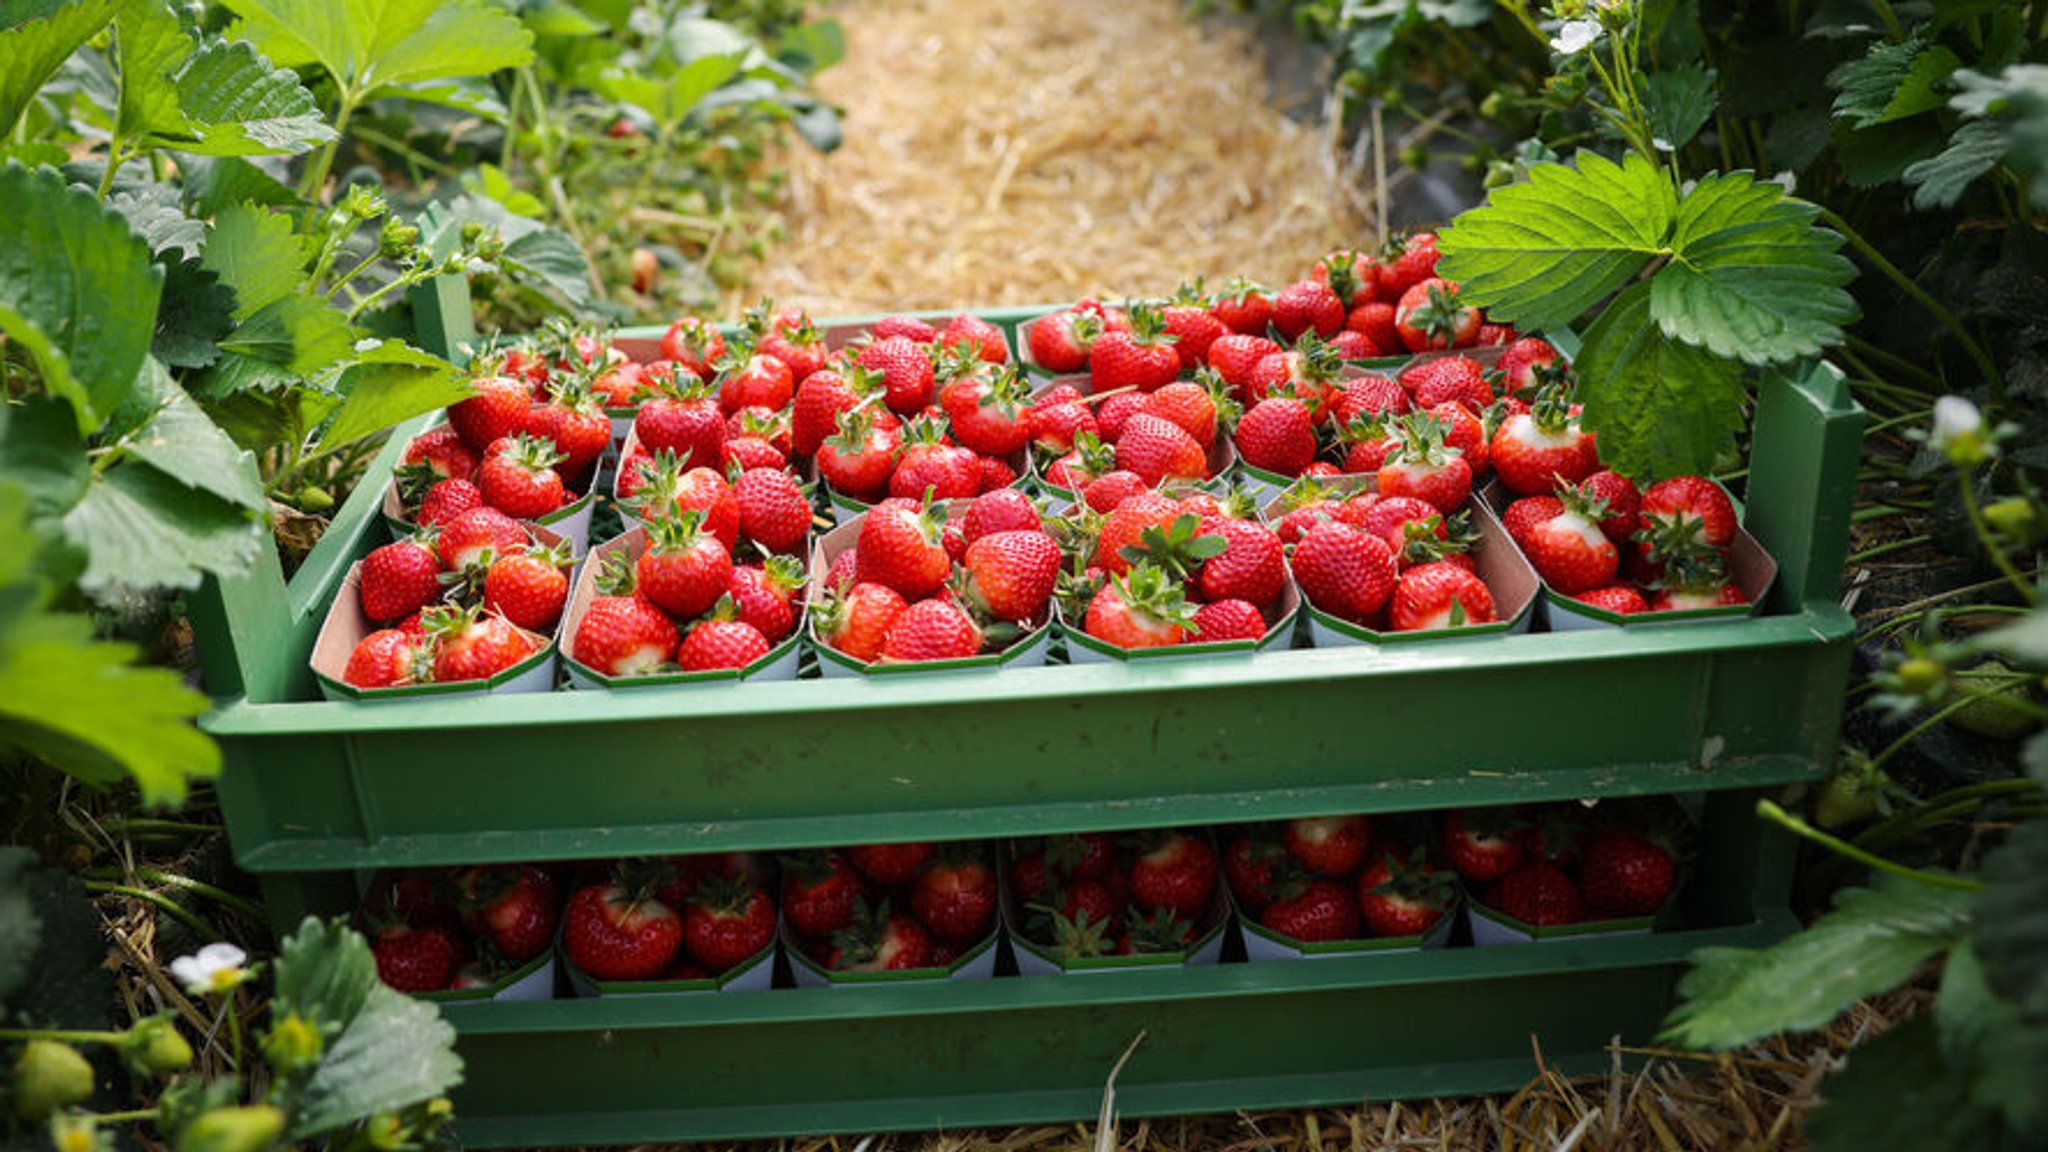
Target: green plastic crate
{"x":317,"y":793}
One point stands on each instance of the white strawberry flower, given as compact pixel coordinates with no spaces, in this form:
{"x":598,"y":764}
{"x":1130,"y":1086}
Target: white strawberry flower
{"x":1958,"y":431}
{"x":215,"y":969}
{"x":1575,"y":37}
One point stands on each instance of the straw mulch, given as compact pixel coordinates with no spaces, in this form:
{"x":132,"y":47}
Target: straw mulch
{"x":1004,"y":152}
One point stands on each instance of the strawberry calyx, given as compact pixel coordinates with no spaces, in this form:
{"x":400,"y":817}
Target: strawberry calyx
{"x":1419,"y":439}
{"x":1148,"y":324}
{"x":1179,"y":548}
{"x":678,"y":533}
{"x":1411,"y":880}
{"x":1073,"y":938}
{"x":1421,"y":544}
{"x":1160,"y":931}
{"x":783,"y":574}
{"x":617,"y":576}
{"x":1439,"y":317}
{"x":1552,"y":409}
{"x":1152,"y":596}
{"x":1241,"y":289}
{"x":533,"y":454}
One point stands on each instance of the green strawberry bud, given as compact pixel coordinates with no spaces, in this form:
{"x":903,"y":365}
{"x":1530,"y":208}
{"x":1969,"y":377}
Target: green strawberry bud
{"x":49,"y":1075}
{"x":154,"y":1047}
{"x":293,"y":1044}
{"x":247,"y":1129}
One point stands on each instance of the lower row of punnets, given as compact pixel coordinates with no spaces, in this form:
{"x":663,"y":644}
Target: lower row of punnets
{"x":1067,"y":903}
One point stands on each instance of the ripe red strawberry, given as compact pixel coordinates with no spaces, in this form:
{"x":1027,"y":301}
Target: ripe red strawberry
{"x":1244,"y":307}
{"x":892,"y":864}
{"x":529,"y":588}
{"x":1429,"y":317}
{"x":1449,"y":380}
{"x":693,"y":343}
{"x":1237,"y":357}
{"x":1374,"y":320}
{"x":447,"y":500}
{"x":1108,"y":492}
{"x":518,"y":477}
{"x":859,"y":458}
{"x":819,"y":891}
{"x":1466,"y":432}
{"x":1538,"y":893}
{"x":1422,"y":467}
{"x":442,"y":453}
{"x":1252,"y":864}
{"x":1003,"y":510}
{"x":1402,"y":895}
{"x":765,"y":597}
{"x":684,"y":569}
{"x":858,"y":620}
{"x":955,"y":897}
{"x":1113,"y":413}
{"x":1316,"y":911}
{"x":1535,"y":451}
{"x":1684,"y":498}
{"x":1143,"y":608}
{"x":581,"y":431}
{"x":1252,"y":565}
{"x":1054,"y":427}
{"x":1328,"y":845}
{"x":1354,"y":276}
{"x":473,"y":646}
{"x":880,"y":942}
{"x":910,"y":327}
{"x":1368,"y":395}
{"x":398,"y":580}
{"x":929,"y":466}
{"x":497,"y":408}
{"x":670,"y":489}
{"x":760,"y":380}
{"x":1174,"y":870}
{"x":1344,"y":571}
{"x":1220,"y":621}
{"x":1568,"y":550}
{"x":622,"y":634}
{"x":989,"y":413}
{"x":389,"y":658}
{"x":906,"y":370}
{"x":515,"y":905}
{"x":1278,"y":435}
{"x":901,"y":548}
{"x":1190,"y":406}
{"x":773,"y":512}
{"x":1060,"y":341}
{"x":1440,"y":595}
{"x":415,"y":959}
{"x":931,"y":630}
{"x":1010,"y":575}
{"x":726,"y":922}
{"x":1520,"y":362}
{"x":1619,"y":493}
{"x":820,"y":398}
{"x":1528,"y":512}
{"x":611,"y":932}
{"x":1158,"y":450}
{"x":1193,"y":328}
{"x":1484,"y":844}
{"x":1625,"y":873}
{"x":1307,"y":305}
{"x":1409,"y":263}
{"x":985,"y":338}
{"x":1619,"y":599}
{"x":1142,"y":357}
{"x":719,"y":644}
{"x":1125,"y":526}
{"x":692,"y":428}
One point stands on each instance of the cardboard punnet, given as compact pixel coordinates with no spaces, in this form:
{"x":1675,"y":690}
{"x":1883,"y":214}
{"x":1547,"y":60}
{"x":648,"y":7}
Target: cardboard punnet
{"x":1500,"y":564}
{"x":1262,"y":943}
{"x":779,"y":664}
{"x":570,"y":522}
{"x":532,"y":980}
{"x":1280,"y":619}
{"x":1036,"y":958}
{"x":978,"y":962}
{"x":1024,"y":652}
{"x":346,"y":627}
{"x":1491,"y":927}
{"x":754,"y":974}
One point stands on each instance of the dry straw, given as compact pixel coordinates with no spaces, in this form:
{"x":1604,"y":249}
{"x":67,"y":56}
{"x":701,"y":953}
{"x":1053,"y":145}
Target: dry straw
{"x":1000,"y":152}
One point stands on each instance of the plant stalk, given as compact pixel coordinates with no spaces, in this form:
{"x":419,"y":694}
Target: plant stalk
{"x":1798,"y":827}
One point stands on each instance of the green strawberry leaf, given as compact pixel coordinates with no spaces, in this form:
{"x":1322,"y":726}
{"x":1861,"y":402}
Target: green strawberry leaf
{"x":301,"y":332}
{"x":1892,"y":82}
{"x":77,"y":291}
{"x":387,"y":384}
{"x":81,"y":704}
{"x":370,"y":44}
{"x":1660,"y":408}
{"x":150,"y":47}
{"x":37,"y":37}
{"x":179,"y":440}
{"x":255,"y":252}
{"x":1680,"y":102}
{"x":2012,"y":913}
{"x":1751,"y":277}
{"x":1999,"y":1050}
{"x":237,"y":103}
{"x":383,"y":1050}
{"x":1874,"y":938}
{"x":1976,"y":148}
{"x":1540,"y":253}
{"x":141,"y":528}
{"x":20,"y":930}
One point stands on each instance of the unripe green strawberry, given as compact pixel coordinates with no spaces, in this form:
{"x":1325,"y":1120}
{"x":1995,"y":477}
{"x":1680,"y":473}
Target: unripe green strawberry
{"x":154,"y":1047}
{"x":49,"y":1075}
{"x":245,"y":1129}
